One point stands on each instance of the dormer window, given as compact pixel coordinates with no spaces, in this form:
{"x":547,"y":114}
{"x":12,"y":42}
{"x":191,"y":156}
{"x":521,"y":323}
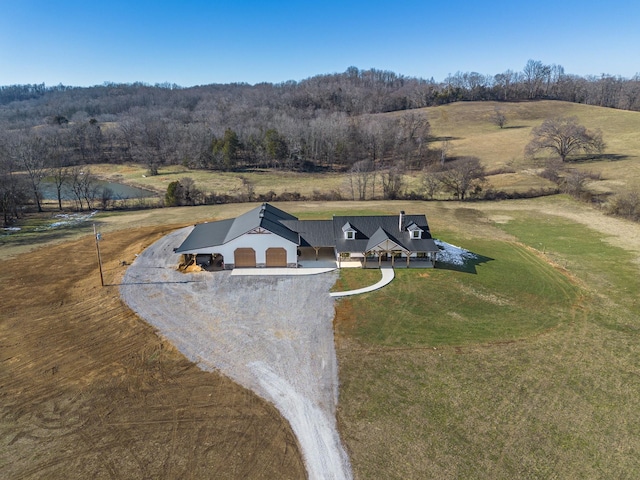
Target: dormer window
{"x":349,"y":231}
{"x":415,"y":232}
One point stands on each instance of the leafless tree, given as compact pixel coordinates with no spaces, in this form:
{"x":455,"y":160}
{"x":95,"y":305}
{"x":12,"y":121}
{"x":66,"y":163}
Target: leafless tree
{"x":13,"y":187}
{"x":361,"y":175}
{"x":463,"y":176}
{"x":29,"y":152}
{"x":392,"y":183}
{"x":83,"y":186}
{"x":565,"y":137}
{"x":499,"y":118}
{"x":431,"y":183}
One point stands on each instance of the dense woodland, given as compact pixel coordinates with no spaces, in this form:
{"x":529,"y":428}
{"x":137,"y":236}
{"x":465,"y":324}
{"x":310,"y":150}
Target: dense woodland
{"x":326,"y":122}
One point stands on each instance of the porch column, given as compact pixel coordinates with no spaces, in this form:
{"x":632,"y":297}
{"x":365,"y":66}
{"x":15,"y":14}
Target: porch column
{"x":408,"y":257}
{"x":393,"y":259}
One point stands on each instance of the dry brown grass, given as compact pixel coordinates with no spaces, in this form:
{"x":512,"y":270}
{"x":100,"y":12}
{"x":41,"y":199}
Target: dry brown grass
{"x":470,"y":131}
{"x":87,"y":390}
{"x":468,"y":126}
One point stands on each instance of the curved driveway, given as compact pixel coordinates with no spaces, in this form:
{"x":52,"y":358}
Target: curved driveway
{"x":271,"y":334}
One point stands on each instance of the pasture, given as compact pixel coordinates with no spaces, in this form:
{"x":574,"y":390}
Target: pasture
{"x":467,"y":130}
{"x":521,"y":365}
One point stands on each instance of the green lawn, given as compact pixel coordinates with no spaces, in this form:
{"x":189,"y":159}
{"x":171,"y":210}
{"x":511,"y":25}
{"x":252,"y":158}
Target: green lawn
{"x":528,"y":368}
{"x":513,"y":294}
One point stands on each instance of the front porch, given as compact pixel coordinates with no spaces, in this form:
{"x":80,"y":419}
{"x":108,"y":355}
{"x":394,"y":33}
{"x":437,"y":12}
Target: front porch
{"x":400,"y":263}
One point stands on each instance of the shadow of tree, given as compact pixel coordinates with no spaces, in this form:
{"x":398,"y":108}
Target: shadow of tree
{"x":444,"y":138}
{"x":602,"y":157}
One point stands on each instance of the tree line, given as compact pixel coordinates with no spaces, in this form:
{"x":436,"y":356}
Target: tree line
{"x":326,"y":122}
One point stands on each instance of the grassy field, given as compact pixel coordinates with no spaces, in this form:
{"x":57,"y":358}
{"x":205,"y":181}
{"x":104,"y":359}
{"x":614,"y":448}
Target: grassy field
{"x":468,"y":128}
{"x":523,"y":364}
{"x":527,"y":368}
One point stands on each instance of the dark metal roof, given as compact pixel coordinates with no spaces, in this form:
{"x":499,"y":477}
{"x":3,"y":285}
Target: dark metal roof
{"x":206,"y":235}
{"x":370,"y":231}
{"x":368,"y":226}
{"x":313,"y":233}
{"x":217,"y":233}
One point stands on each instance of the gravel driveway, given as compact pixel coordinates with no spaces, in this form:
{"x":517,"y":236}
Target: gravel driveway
{"x":272,"y":334}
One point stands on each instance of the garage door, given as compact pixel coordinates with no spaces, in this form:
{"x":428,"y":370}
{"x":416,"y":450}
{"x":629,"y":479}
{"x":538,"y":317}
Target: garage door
{"x":276,"y":257}
{"x":245,"y":257}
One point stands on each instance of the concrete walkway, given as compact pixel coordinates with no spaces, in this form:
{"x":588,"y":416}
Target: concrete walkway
{"x":387,"y":276}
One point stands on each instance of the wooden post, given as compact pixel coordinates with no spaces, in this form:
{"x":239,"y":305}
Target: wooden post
{"x":97,"y":237}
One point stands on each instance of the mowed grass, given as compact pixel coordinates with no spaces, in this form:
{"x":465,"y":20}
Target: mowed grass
{"x":528,"y":368}
{"x":513,"y":294}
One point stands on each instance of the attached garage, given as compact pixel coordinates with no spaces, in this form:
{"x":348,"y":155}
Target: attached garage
{"x":244,"y":257}
{"x":276,"y":257}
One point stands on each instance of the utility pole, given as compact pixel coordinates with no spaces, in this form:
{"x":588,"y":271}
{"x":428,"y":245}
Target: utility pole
{"x":98,"y":237}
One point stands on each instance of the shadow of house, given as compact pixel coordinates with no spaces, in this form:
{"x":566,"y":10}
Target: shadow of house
{"x":467,"y":266}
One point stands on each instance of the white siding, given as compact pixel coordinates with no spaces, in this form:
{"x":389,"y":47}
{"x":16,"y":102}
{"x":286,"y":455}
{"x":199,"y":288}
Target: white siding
{"x":259,"y":242}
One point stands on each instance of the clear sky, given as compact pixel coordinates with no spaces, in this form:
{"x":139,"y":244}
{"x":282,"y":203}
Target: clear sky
{"x":194,"y":42}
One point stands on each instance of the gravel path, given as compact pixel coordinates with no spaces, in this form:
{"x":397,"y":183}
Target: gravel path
{"x":273,"y":335}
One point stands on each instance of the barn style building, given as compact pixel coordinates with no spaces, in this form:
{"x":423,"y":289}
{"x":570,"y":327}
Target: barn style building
{"x":269,"y":237}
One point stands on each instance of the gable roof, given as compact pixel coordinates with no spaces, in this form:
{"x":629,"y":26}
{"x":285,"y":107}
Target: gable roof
{"x":370,"y":231}
{"x":381,"y":236}
{"x":217,"y":233}
{"x":374,"y":229}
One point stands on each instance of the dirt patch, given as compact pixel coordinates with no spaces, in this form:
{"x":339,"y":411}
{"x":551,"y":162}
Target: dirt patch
{"x":88,"y":390}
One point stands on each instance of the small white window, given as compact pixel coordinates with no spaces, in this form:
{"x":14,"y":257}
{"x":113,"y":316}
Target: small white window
{"x":415,"y":234}
{"x":350,"y":234}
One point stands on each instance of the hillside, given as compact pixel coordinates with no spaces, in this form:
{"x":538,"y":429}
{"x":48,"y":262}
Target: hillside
{"x":469,"y":131}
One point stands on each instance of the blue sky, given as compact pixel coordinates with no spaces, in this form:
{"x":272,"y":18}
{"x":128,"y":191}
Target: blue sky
{"x":84,"y":42}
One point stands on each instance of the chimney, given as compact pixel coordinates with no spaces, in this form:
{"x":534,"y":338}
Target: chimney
{"x":401,"y":221}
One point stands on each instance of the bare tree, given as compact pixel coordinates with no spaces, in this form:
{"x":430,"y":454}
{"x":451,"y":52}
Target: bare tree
{"x":83,"y":186}
{"x":58,"y":169}
{"x":535,"y":74}
{"x":29,"y":152}
{"x":392,"y":183}
{"x":431,"y":183}
{"x":463,"y":176}
{"x":13,"y":188}
{"x":574,"y":182}
{"x":60,"y":175}
{"x":564,"y":136}
{"x":498,"y":117}
{"x":445,"y":149}
{"x":360,"y":176}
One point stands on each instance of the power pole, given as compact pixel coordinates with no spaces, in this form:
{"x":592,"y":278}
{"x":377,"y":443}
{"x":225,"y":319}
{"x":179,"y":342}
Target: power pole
{"x":98,"y":238}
